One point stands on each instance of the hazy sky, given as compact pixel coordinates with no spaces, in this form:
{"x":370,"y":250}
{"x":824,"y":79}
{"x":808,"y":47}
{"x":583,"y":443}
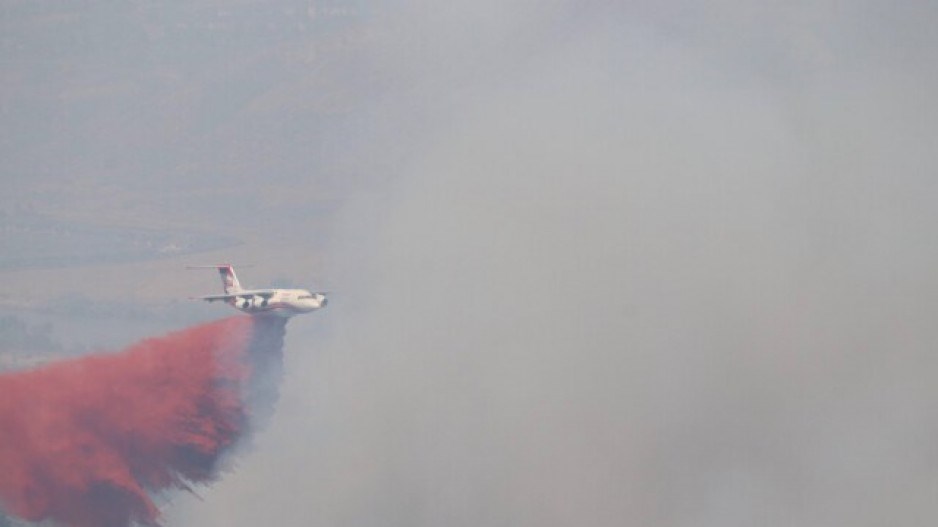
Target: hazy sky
{"x":634,"y":265}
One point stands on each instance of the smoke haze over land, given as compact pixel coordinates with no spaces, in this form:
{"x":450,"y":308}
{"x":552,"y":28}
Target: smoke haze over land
{"x":629,"y":265}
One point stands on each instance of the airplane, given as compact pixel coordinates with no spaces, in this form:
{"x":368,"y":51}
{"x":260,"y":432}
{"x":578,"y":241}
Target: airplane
{"x":278,"y":302}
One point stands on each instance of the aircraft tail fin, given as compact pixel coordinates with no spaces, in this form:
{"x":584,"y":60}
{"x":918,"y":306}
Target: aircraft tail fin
{"x":229,"y":280}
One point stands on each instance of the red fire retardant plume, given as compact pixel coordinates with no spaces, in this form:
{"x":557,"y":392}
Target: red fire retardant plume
{"x":85,"y":442}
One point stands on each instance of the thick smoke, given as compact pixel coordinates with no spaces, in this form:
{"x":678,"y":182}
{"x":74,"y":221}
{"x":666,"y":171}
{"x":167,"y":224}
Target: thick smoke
{"x":596,"y":263}
{"x":672,"y":266}
{"x":88,"y":442}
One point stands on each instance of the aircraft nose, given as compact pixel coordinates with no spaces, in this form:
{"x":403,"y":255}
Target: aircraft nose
{"x":323,"y":302}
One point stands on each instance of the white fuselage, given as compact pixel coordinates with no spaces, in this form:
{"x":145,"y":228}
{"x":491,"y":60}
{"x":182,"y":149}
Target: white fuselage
{"x":279,"y":302}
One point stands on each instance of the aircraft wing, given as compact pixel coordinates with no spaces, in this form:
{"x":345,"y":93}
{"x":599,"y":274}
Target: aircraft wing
{"x":262,"y":293}
{"x":212,"y":298}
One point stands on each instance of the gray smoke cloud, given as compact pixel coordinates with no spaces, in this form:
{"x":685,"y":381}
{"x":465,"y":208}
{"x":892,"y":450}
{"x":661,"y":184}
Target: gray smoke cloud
{"x":622,"y":266}
{"x":639,"y":264}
